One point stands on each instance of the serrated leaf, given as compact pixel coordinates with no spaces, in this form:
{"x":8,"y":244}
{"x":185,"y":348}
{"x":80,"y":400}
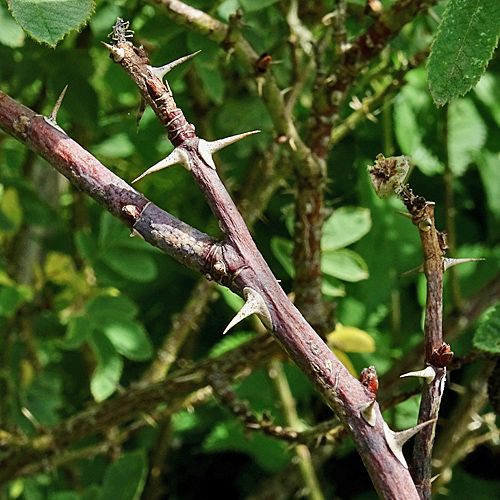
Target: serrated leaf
{"x":345,"y":226}
{"x":125,"y":478}
{"x":466,"y":134}
{"x":487,"y":336}
{"x":351,"y":339}
{"x":345,"y":265}
{"x":466,"y":39}
{"x":49,"y":20}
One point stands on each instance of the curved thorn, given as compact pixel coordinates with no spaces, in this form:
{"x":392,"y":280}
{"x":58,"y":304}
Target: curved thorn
{"x":367,"y":411}
{"x":254,"y":304}
{"x":453,"y":262}
{"x":52,"y":118}
{"x":161,"y":71}
{"x":396,"y":440}
{"x":427,"y":373}
{"x":178,"y":155}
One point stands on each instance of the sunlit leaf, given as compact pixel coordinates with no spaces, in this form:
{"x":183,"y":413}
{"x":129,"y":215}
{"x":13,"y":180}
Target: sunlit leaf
{"x":466,"y":134}
{"x":345,"y":226}
{"x":129,"y":338}
{"x":345,"y":265}
{"x":487,"y":336}
{"x":351,"y":339}
{"x":109,"y":369}
{"x":466,"y":39}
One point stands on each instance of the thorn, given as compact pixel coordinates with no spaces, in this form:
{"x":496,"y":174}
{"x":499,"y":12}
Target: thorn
{"x":405,"y":214}
{"x":161,"y":71}
{"x":178,"y":155}
{"x":453,"y":262}
{"x":367,"y":411}
{"x":254,"y":304}
{"x":396,"y":440}
{"x":412,"y":272}
{"x":52,"y":118}
{"x":117,"y":53}
{"x":427,"y":373}
{"x":207,"y":149}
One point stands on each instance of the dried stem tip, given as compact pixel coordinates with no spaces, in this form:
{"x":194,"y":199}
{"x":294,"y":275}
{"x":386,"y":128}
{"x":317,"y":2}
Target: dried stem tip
{"x":388,"y":175}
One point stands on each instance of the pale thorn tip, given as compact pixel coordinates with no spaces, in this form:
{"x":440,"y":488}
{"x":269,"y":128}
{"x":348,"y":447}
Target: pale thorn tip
{"x":254,"y":304}
{"x":52,"y":118}
{"x":405,"y":214}
{"x":116,"y":52}
{"x":396,"y":440}
{"x":178,"y":155}
{"x":453,"y":262}
{"x":428,"y":373}
{"x":367,"y":411}
{"x":207,"y":149}
{"x":161,"y":71}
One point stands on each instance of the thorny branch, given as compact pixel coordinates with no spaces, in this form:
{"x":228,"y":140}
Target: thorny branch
{"x":234,"y":262}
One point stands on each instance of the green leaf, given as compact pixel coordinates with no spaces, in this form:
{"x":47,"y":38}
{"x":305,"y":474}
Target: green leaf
{"x":345,"y":265}
{"x":116,"y":146}
{"x":64,"y":495}
{"x":409,"y":132}
{"x":128,"y":337}
{"x":125,"y":478}
{"x":253,"y":5}
{"x":488,"y":164}
{"x":10,"y":32}
{"x":109,"y":367}
{"x":487,"y":336}
{"x":466,"y":39}
{"x":346,"y":226}
{"x":131,"y":264}
{"x":103,"y":306}
{"x":78,"y":331}
{"x":268,"y":453}
{"x":282,"y":250}
{"x":49,"y":20}
{"x":466,"y":134}
{"x":488,"y":92}
{"x":229,"y":342}
{"x":10,"y":299}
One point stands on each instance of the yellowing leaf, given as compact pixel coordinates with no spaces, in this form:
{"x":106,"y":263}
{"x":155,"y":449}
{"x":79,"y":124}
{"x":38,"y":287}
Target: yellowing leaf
{"x":350,"y":339}
{"x":59,"y":268}
{"x":344,"y":359}
{"x":11,"y":207}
